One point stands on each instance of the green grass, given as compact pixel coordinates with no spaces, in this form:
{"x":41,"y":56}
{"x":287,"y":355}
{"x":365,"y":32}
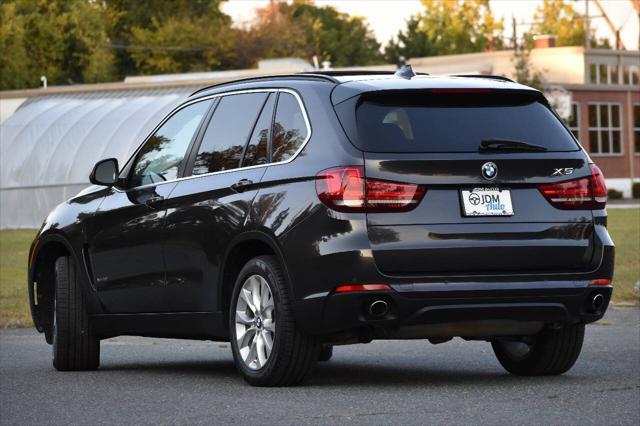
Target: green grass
{"x":14,"y":299}
{"x":624,"y":226}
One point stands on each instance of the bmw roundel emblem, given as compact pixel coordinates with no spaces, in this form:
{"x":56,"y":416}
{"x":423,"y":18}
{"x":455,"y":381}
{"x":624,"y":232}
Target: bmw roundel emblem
{"x":489,"y":171}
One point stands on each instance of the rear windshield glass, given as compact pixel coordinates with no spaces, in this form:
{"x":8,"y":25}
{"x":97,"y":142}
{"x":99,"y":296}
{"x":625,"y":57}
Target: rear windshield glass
{"x":455,"y":123}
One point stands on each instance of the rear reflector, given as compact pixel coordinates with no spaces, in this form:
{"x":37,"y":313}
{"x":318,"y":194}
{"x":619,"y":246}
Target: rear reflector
{"x":586,"y":193}
{"x":346,"y":189}
{"x":362,"y":287}
{"x":603,"y":281}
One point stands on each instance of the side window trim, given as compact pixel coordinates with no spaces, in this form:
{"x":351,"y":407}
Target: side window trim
{"x":253,"y":129}
{"x":272,"y":126}
{"x":195,"y":145}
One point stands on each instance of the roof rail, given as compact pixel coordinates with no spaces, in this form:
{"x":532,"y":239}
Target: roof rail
{"x":489,"y":76}
{"x":268,"y":77}
{"x":335,"y":73}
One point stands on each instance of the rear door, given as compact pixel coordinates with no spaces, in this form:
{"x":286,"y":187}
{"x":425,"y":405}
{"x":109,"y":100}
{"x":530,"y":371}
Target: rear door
{"x":433,"y":140}
{"x":207,"y":210}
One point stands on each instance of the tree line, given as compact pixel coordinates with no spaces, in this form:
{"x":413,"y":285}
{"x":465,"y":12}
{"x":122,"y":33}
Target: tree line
{"x":91,"y":41}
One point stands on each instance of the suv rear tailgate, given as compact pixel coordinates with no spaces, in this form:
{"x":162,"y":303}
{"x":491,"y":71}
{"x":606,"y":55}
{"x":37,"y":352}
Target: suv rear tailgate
{"x":436,"y":237}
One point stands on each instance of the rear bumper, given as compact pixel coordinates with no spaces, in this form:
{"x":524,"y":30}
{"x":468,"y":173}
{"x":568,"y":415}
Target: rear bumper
{"x":461,"y":309}
{"x":341,"y":254}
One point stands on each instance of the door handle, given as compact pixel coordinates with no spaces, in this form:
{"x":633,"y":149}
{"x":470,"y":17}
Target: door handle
{"x":241,"y":185}
{"x":153,"y":199}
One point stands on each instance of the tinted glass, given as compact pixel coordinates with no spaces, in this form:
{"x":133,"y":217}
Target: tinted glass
{"x":455,"y":123}
{"x":227,"y":133}
{"x":257,"y":150}
{"x":289,"y":128}
{"x":162,"y":155}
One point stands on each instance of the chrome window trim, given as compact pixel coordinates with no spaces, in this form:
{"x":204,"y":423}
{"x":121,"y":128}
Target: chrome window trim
{"x":220,"y":95}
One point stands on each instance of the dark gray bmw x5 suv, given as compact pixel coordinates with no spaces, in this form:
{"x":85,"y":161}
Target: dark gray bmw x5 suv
{"x":288,"y":214}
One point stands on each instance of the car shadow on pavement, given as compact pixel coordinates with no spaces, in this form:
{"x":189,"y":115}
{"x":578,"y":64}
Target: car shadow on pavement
{"x":381,"y":375}
{"x":215,"y":368}
{"x":345,"y":374}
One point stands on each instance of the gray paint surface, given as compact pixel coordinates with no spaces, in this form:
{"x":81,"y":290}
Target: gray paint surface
{"x":158,"y":381}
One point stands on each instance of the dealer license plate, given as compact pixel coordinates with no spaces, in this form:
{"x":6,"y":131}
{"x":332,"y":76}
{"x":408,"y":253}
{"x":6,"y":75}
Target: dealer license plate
{"x":486,"y":202}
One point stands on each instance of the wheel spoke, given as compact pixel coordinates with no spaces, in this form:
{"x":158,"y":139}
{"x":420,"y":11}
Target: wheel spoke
{"x":255,"y":292}
{"x":245,"y":294}
{"x":247,"y":337}
{"x":268,"y":304}
{"x":243,"y":318}
{"x":251,"y":355}
{"x":262,"y":357}
{"x":265,"y":295}
{"x":268,"y":342}
{"x":269,"y":325}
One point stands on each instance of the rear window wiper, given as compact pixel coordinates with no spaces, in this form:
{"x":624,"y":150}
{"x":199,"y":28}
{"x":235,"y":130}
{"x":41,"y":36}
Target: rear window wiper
{"x":508,"y":145}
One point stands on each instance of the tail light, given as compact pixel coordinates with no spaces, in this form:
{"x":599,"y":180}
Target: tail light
{"x":585,"y":193}
{"x":346,"y":189}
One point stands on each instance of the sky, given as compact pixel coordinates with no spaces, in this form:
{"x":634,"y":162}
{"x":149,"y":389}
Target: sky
{"x":386,"y":17}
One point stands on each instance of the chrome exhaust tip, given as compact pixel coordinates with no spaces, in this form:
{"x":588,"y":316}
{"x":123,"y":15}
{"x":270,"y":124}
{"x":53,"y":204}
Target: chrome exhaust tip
{"x":379,"y":308}
{"x":597,"y":302}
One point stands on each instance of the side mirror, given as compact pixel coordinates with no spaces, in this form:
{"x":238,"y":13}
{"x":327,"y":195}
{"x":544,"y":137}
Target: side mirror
{"x":105,"y":172}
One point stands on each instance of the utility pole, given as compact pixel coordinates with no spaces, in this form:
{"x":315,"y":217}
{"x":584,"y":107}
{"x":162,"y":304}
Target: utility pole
{"x":515,"y":34}
{"x":586,"y":24}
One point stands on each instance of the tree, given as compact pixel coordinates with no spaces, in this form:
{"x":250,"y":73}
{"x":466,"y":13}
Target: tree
{"x":447,"y":27}
{"x":559,"y":18}
{"x":524,"y":71}
{"x":15,"y":67}
{"x":65,"y":40}
{"x":302,"y":29}
{"x":160,"y":36}
{"x":409,"y":43}
{"x":179,"y":45}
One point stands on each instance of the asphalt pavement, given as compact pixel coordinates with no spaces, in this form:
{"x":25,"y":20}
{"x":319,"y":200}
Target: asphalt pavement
{"x":159,"y":381}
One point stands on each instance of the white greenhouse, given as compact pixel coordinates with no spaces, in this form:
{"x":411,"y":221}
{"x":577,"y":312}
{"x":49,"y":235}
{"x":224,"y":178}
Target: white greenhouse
{"x":49,"y":145}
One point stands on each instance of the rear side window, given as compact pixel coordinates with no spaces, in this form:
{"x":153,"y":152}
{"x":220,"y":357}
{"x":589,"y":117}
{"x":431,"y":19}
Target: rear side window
{"x":227,"y":133}
{"x":454,"y":122}
{"x":289,"y":128}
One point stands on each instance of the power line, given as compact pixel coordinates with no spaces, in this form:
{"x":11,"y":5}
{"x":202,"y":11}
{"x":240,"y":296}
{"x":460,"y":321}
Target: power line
{"x":156,"y":48}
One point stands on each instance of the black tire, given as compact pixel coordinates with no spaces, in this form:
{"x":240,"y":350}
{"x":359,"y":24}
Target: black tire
{"x":553,"y":352}
{"x":326,"y":353}
{"x":75,"y":345}
{"x":294,"y":354}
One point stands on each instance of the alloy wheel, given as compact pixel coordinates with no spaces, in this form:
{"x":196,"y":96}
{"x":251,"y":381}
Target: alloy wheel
{"x":255,"y":322}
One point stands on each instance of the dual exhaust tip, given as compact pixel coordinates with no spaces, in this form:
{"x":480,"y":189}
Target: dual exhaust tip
{"x":597,"y":302}
{"x":378,"y":308}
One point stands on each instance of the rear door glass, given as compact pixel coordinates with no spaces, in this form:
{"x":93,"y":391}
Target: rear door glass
{"x":455,"y":123}
{"x":289,"y":128}
{"x":226,"y":135}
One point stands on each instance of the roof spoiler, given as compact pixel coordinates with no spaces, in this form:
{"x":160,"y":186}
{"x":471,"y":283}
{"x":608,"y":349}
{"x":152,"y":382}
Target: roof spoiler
{"x":489,"y":76}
